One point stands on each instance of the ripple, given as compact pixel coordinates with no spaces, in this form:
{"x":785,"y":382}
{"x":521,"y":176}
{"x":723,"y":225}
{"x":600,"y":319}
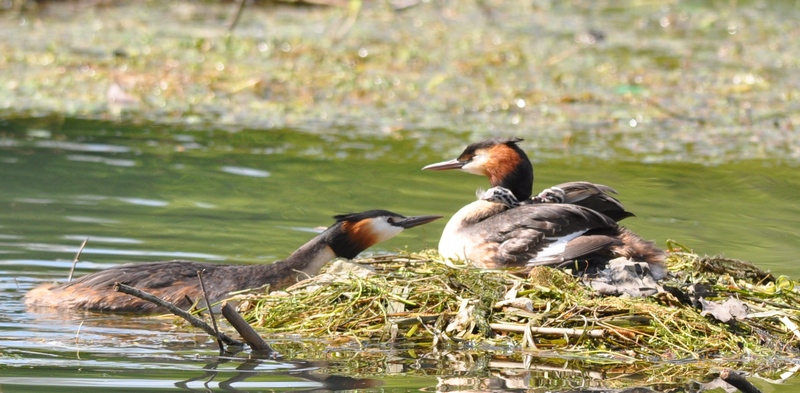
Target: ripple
{"x":36,"y":201}
{"x":151,"y":384}
{"x":102,"y":160}
{"x":72,"y":249}
{"x":89,"y":147}
{"x":238,"y":170}
{"x":95,"y":220}
{"x":102,"y":239}
{"x":60,"y":264}
{"x":145,"y":202}
{"x":91,"y":197}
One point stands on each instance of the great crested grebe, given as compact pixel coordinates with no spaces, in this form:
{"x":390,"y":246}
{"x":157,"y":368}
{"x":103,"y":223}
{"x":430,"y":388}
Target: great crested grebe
{"x":507,"y":166}
{"x":497,"y":231}
{"x":177,"y":281}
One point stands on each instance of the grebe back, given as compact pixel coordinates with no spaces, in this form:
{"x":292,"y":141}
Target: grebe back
{"x":177,"y":281}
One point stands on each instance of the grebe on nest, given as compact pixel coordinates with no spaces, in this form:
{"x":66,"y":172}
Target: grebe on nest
{"x":507,"y":166}
{"x":177,"y":281}
{"x":497,"y":231}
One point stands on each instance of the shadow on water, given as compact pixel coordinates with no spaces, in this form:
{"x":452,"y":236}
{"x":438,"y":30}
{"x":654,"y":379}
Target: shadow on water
{"x":148,"y":193}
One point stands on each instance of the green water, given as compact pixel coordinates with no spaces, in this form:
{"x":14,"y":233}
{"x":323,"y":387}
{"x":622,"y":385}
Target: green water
{"x":253,"y":196}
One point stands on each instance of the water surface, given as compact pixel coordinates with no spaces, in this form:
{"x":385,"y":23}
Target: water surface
{"x":253,"y":196}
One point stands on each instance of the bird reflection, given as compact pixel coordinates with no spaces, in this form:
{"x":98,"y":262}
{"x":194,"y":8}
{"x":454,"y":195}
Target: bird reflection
{"x":249,"y":368}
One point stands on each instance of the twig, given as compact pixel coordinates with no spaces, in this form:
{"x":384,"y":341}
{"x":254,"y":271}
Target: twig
{"x":353,"y":9}
{"x":210,"y":312}
{"x":505,"y":327}
{"x":738,"y":381}
{"x":194,"y":321}
{"x":77,"y":342}
{"x":75,"y":261}
{"x":237,"y":16}
{"x":674,"y":114}
{"x":402,"y":5}
{"x":249,"y":335}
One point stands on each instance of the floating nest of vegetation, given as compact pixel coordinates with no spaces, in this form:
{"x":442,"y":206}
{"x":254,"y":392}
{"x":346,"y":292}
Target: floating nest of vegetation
{"x":715,"y":307}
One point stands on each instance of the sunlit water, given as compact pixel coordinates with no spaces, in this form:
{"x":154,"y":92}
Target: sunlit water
{"x":141,"y":194}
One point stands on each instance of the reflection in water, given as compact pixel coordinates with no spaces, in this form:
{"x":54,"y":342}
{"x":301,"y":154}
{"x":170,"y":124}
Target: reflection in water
{"x":249,"y":369}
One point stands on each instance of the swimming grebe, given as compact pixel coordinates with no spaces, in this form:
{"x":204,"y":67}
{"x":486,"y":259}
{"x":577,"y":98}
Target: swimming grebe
{"x":498,"y":232}
{"x":177,"y":281}
{"x":507,"y":166}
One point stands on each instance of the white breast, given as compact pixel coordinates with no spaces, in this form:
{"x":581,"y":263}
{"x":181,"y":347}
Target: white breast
{"x":455,"y":242}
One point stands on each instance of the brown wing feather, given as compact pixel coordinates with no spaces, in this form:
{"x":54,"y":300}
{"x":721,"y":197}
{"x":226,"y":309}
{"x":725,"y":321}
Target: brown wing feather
{"x":519,"y":234}
{"x":594,"y":196}
{"x":173,"y":281}
{"x":588,"y":244}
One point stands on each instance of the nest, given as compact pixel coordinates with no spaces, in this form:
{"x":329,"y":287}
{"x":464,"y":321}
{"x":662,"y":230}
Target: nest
{"x":715,"y":307}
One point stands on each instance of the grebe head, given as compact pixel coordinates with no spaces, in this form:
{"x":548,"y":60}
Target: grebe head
{"x":553,"y":194}
{"x":355,"y":232}
{"x":499,"y":159}
{"x":500,"y":195}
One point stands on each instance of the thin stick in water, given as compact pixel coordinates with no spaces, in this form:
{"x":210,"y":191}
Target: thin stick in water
{"x":75,"y":261}
{"x":77,"y":341}
{"x":210,"y":311}
{"x":236,"y":16}
{"x":194,"y":321}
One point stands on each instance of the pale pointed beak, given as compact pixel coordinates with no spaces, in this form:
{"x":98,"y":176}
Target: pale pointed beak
{"x":445,"y":165}
{"x":410,"y":222}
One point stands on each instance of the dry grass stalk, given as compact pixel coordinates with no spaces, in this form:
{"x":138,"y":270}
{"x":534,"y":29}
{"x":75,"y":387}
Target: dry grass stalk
{"x":420,"y":298}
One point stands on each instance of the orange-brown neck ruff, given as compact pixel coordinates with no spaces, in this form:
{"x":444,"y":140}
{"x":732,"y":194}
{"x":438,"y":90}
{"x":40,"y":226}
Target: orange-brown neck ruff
{"x":510,"y":167}
{"x":356,"y":236}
